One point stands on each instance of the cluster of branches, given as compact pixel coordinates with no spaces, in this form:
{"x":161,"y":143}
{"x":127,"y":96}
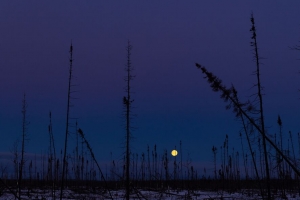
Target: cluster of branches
{"x":230,"y":95}
{"x":246,"y":110}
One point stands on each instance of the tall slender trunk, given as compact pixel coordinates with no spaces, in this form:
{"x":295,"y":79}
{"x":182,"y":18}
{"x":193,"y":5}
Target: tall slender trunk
{"x":127,"y":101}
{"x":24,"y":124}
{"x":252,"y":155}
{"x":93,"y":160}
{"x":67,"y":124}
{"x":262,"y":122}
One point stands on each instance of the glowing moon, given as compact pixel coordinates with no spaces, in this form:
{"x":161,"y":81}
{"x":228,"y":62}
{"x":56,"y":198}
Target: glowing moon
{"x":174,"y":153}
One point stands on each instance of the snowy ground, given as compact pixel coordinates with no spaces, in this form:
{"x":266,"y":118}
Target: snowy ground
{"x":142,"y":194}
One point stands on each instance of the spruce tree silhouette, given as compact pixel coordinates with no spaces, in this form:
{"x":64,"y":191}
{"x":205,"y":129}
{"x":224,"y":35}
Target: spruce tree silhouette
{"x":261,"y":110}
{"x":67,"y":122}
{"x":24,"y":137}
{"x":127,"y":101}
{"x":80,"y":132}
{"x":245,"y":109}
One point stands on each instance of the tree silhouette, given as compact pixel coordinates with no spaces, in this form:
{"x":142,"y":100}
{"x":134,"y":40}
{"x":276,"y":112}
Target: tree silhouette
{"x":24,"y":137}
{"x":80,"y":132}
{"x":67,"y":122}
{"x":260,"y":99}
{"x":229,"y":95}
{"x":127,"y":101}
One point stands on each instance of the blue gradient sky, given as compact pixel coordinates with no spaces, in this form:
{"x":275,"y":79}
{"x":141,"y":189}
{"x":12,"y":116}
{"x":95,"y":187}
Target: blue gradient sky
{"x":172,"y":100}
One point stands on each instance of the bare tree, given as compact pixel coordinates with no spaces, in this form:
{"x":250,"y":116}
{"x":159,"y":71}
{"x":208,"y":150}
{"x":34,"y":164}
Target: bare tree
{"x":24,"y":137}
{"x":127,"y":101}
{"x":229,"y":95}
{"x":93,"y":158}
{"x":261,"y":111}
{"x":67,"y":123}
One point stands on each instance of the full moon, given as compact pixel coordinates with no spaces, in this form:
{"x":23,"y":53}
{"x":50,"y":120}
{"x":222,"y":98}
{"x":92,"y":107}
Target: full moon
{"x":174,"y":153}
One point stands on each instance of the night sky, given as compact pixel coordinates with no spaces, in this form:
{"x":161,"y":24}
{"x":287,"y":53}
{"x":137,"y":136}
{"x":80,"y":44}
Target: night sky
{"x":172,"y":101}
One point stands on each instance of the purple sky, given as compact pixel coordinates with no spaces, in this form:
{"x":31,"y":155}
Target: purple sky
{"x":172,"y":100}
